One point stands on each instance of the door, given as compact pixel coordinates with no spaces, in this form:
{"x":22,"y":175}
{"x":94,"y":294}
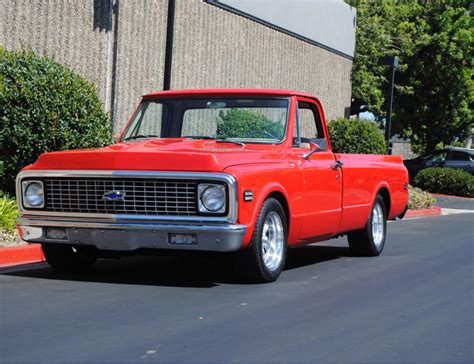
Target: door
{"x":458,"y":159}
{"x":322,"y":177}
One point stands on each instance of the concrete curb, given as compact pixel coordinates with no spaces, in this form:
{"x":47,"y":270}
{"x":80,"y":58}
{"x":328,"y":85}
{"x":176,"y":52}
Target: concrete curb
{"x":23,"y":254}
{"x":434,"y":211}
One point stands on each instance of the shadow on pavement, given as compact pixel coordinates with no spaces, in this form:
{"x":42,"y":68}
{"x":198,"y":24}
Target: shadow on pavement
{"x":204,"y":271}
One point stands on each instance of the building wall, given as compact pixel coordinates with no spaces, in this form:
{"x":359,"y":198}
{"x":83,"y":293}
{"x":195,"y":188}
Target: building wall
{"x":121,"y":52}
{"x":403,"y":148}
{"x":140,"y":53}
{"x":121,"y":49}
{"x":227,"y":50}
{"x":64,"y":30}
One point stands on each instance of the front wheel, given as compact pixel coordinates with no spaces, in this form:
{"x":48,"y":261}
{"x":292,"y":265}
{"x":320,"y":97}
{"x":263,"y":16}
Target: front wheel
{"x":69,"y":258}
{"x":370,"y":241}
{"x":264,"y":259}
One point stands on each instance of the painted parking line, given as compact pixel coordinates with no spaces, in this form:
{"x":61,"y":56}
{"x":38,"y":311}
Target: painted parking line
{"x":445,"y":211}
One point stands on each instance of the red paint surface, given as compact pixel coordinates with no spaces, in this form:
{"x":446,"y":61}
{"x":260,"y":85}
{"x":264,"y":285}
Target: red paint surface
{"x":21,"y":255}
{"x":322,"y":202}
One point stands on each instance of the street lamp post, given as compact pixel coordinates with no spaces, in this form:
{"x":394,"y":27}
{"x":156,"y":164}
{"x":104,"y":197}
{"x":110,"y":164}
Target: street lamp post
{"x":392,"y":63}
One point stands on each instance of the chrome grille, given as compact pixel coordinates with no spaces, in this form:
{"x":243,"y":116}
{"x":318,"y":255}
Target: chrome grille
{"x":141,"y":196}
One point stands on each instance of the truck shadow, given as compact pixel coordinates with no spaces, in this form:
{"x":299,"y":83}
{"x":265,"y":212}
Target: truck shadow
{"x":203,"y":271}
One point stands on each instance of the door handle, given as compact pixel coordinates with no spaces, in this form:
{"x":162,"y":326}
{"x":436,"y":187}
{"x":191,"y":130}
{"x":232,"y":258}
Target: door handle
{"x":337,"y":165}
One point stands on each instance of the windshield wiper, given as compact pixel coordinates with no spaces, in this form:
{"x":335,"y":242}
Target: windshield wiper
{"x":141,"y":136}
{"x":225,"y":140}
{"x":205,"y":137}
{"x":217,"y":140}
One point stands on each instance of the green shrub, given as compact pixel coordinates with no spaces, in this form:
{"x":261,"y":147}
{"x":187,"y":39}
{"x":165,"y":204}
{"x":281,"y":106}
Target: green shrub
{"x":448,"y":181}
{"x":241,"y":123}
{"x":8,"y":214}
{"x":419,"y":199}
{"x":44,"y":106}
{"x":356,"y":136}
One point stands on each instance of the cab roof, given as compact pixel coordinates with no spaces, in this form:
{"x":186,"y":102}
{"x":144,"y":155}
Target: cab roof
{"x":227,"y":92}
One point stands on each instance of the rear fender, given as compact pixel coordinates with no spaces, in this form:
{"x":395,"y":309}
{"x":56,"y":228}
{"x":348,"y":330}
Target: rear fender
{"x":376,"y":192}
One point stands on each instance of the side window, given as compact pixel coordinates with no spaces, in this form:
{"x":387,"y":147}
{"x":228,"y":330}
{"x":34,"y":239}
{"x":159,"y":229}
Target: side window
{"x":436,"y":157}
{"x":310,"y":126}
{"x":458,"y":156}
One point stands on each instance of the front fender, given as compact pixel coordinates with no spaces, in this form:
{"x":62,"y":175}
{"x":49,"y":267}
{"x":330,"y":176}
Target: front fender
{"x":262,"y":181}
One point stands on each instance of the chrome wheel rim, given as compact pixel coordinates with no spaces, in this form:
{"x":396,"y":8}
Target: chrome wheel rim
{"x":377,"y":225}
{"x":272,"y":241}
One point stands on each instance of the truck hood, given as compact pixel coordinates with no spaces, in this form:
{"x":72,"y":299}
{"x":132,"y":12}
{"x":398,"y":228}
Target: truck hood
{"x":161,"y":155}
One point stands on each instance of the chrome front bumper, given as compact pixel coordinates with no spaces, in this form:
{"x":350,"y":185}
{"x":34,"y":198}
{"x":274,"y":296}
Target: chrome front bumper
{"x":132,"y":235}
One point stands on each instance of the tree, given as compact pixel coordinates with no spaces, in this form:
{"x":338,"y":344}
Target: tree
{"x":439,"y":105}
{"x":434,"y":90}
{"x":244,"y":123}
{"x":382,"y":29}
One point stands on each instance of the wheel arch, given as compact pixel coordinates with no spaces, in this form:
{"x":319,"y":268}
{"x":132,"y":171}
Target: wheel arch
{"x":276,"y":191}
{"x":385,"y":193}
{"x":280,"y":197}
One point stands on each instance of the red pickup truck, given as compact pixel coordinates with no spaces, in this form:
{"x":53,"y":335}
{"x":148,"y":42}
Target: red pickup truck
{"x":241,"y":171}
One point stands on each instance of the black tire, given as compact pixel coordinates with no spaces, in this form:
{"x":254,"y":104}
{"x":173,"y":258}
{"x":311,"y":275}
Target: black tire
{"x":67,"y":258}
{"x":250,"y":263}
{"x":362,"y":242}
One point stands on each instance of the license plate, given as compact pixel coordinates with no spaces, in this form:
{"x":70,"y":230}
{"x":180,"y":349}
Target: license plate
{"x":182,"y":239}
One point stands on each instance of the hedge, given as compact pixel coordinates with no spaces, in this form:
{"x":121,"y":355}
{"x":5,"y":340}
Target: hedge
{"x":44,"y":106}
{"x":448,"y":181}
{"x":356,"y":136}
{"x":241,"y":123}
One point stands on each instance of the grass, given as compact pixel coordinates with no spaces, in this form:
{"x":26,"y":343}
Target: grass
{"x":8,"y":215}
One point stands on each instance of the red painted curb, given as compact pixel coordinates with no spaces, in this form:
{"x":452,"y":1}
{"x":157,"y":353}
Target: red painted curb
{"x":21,"y":255}
{"x":451,"y":196}
{"x":435,"y":211}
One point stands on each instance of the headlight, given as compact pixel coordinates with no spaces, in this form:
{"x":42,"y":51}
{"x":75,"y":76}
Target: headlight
{"x":33,"y":194}
{"x":212,"y":198}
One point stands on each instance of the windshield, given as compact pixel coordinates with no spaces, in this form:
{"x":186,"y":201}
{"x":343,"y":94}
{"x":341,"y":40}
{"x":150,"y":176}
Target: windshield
{"x":249,"y":120}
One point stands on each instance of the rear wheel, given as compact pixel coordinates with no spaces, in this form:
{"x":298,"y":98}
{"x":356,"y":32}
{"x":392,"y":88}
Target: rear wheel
{"x":264,"y":259}
{"x":69,"y":258}
{"x":370,"y":241}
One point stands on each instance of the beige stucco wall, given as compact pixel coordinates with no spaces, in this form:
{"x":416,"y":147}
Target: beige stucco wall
{"x":82,"y":34}
{"x":216,"y":48}
{"x":63,"y":30}
{"x":140,"y":53}
{"x":212,"y":48}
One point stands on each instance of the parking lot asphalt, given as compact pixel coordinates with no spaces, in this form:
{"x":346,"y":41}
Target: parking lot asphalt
{"x":414,"y":303}
{"x":454,"y":202}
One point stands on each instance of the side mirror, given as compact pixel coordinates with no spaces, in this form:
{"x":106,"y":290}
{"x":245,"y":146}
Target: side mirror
{"x":313,"y":148}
